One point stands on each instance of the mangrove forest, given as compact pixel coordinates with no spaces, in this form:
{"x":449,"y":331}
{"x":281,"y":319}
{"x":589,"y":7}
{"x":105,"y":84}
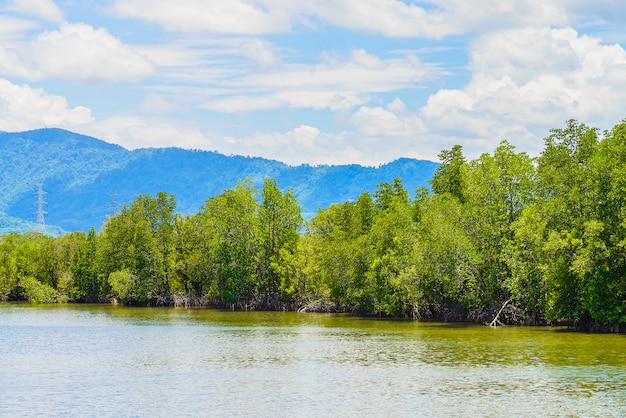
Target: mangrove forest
{"x":544,"y":236}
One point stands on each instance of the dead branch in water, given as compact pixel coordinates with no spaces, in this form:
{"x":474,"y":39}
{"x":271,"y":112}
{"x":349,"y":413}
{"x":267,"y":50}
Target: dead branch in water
{"x":495,"y":321}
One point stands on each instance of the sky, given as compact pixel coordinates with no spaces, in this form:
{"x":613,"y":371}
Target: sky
{"x":313,"y":81}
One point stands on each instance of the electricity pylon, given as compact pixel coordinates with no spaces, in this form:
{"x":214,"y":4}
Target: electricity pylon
{"x":41,"y":220}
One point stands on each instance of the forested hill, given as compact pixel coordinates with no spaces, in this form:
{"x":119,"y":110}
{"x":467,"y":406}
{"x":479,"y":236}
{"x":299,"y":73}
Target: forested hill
{"x":85,"y":178}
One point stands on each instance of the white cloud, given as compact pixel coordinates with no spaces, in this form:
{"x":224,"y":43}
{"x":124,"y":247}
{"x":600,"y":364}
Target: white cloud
{"x":381,"y":136}
{"x":258,"y":51}
{"x":376,"y":121}
{"x":12,"y":64}
{"x":393,"y":18}
{"x":303,"y":144}
{"x":312,"y":99}
{"x":23,"y":108}
{"x":208,"y":61}
{"x":75,"y":52}
{"x":494,"y":15}
{"x":390,"y":17}
{"x":156,"y":103}
{"x":80,"y":52}
{"x":541,"y":78}
{"x":336,"y":83}
{"x":214,"y":16}
{"x":434,"y":18}
{"x":174,"y":54}
{"x":525,"y":76}
{"x":44,"y":9}
{"x":12,"y":28}
{"x":12,"y":48}
{"x":134,"y":132}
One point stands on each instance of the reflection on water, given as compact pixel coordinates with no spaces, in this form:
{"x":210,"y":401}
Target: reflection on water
{"x":110,"y":360}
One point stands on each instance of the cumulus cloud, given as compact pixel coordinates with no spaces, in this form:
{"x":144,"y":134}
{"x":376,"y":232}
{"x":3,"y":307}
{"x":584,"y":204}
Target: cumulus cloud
{"x":23,"y":108}
{"x":80,"y":52}
{"x":75,"y":52}
{"x":541,"y":77}
{"x":12,"y":64}
{"x":528,"y":71}
{"x":310,"y":145}
{"x":302,"y":145}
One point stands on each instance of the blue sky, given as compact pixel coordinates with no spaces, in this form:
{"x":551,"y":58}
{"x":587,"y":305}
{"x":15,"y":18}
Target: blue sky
{"x":313,"y":81}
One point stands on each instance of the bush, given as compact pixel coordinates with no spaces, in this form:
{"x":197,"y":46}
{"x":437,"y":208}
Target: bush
{"x":38,"y":292}
{"x":127,"y":287}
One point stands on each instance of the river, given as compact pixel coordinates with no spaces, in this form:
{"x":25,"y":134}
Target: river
{"x":93,"y":360}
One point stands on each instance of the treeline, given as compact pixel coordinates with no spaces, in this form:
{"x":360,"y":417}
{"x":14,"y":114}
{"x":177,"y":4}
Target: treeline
{"x":546,"y":233}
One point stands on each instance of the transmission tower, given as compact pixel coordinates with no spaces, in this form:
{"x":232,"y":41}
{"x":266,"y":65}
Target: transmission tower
{"x":113,"y":206}
{"x":41,"y":220}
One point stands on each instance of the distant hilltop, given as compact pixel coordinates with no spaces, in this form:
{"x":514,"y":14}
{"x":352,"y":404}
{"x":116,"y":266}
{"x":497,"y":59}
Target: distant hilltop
{"x":86,"y":179}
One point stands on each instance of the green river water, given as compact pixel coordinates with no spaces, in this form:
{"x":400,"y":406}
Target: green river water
{"x":97,"y":360}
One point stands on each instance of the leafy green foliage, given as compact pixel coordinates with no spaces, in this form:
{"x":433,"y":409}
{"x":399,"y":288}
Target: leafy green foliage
{"x":548,"y":234}
{"x":84,"y":271}
{"x":38,"y":292}
{"x":445,"y":258}
{"x":448,"y":177}
{"x":128,"y":287}
{"x":138,"y":241}
{"x":230,"y":226}
{"x":279,"y":228}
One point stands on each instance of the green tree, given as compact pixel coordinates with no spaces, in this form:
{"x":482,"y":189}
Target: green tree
{"x":31,"y":265}
{"x":139,"y":240}
{"x":230,"y":228}
{"x":87,"y":280}
{"x":392,"y":238}
{"x":190,"y":263}
{"x":339,"y":254}
{"x":15,"y":260}
{"x":279,"y":230}
{"x":600,"y":264}
{"x":445,"y":259}
{"x":527,"y":259}
{"x":448,"y":177}
{"x":549,"y":233}
{"x":498,"y":188}
{"x":362,"y":249}
{"x":388,"y":194}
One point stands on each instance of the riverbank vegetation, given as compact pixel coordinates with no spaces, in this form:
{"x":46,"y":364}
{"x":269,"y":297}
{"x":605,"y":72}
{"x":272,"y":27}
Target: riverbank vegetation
{"x":547,"y":234}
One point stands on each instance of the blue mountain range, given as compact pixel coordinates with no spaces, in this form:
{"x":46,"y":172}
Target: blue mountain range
{"x":86,"y":179}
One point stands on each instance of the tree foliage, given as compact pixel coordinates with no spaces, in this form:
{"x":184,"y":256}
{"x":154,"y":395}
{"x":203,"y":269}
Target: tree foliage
{"x":548,"y":233}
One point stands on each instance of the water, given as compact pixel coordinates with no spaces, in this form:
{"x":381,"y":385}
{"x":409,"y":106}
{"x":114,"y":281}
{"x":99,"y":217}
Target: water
{"x":118,"y":361}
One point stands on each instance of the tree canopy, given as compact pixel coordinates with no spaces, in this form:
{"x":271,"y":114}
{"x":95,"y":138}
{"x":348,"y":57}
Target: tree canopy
{"x":547,"y":233}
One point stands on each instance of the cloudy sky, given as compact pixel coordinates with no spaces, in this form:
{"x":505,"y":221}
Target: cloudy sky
{"x":313,"y":81}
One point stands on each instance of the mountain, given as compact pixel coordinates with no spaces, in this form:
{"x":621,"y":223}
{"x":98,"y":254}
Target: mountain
{"x":85,"y":178}
{"x":9,"y":224}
